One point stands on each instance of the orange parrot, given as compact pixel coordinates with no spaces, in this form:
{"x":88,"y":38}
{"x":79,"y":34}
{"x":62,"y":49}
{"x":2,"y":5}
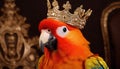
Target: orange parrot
{"x":65,"y":47}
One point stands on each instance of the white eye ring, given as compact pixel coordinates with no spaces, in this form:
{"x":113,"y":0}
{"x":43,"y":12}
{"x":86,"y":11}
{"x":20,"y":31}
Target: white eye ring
{"x":62,"y":31}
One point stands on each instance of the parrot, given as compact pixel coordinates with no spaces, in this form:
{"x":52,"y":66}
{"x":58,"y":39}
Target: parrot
{"x":65,"y":47}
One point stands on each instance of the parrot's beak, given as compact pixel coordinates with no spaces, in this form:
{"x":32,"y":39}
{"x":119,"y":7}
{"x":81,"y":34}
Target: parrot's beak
{"x":47,"y":40}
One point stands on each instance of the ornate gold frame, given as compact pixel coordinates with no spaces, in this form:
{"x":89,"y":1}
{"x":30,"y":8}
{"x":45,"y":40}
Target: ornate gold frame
{"x":104,"y":27}
{"x":17,"y":50}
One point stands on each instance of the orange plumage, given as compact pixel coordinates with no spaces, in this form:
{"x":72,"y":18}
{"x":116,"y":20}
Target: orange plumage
{"x":72,"y":48}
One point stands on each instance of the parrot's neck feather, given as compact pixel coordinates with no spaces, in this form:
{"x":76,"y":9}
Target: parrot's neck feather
{"x":77,"y":53}
{"x":74,"y":54}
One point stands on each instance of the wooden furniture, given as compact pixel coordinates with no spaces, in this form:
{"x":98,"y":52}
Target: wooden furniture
{"x":110,"y":25}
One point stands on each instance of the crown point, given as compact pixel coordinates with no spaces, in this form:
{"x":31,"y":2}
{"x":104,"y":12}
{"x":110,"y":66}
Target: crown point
{"x":67,"y":6}
{"x":55,"y":3}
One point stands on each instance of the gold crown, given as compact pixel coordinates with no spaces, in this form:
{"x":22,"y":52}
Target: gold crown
{"x":77,"y":19}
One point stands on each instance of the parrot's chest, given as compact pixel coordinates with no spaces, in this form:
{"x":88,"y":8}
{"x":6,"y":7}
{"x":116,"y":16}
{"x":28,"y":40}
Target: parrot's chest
{"x":63,"y":64}
{"x":70,"y":64}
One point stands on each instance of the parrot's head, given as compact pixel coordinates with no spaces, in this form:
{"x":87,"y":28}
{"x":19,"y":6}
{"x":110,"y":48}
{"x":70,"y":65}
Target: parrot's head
{"x":59,"y":36}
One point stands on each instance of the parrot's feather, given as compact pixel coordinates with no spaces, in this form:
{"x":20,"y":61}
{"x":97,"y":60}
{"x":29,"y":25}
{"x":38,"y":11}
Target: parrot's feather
{"x":95,"y":62}
{"x":40,"y":61}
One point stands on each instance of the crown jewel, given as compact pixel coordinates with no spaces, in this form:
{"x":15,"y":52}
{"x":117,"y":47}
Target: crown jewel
{"x":77,"y":19}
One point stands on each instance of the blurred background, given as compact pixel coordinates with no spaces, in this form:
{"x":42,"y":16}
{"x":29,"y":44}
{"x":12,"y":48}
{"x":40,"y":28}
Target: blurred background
{"x":36,"y":10}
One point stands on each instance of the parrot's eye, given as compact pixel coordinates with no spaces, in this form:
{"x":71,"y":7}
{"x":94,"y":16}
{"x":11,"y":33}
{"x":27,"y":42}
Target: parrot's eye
{"x":62,"y":31}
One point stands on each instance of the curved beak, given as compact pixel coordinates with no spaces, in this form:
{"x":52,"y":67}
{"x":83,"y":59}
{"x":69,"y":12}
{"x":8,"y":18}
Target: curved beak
{"x":46,"y":39}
